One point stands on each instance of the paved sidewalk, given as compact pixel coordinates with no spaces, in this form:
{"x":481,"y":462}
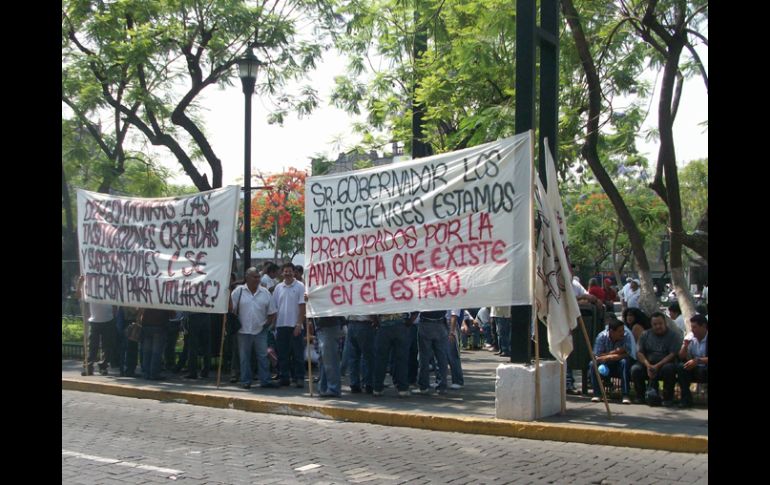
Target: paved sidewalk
{"x":471,"y":409}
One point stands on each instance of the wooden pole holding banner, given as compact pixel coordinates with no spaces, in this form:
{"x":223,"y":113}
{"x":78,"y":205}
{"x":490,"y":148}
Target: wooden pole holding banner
{"x":81,"y":296}
{"x":534,"y":264}
{"x":85,"y":339}
{"x":309,"y":354}
{"x":221,"y":350}
{"x":537,"y":371}
{"x":596,"y":367}
{"x":563,"y":383}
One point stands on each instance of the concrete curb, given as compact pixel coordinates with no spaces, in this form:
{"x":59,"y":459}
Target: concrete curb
{"x":495,"y":427}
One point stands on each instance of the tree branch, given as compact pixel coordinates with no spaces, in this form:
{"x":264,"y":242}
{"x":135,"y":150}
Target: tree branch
{"x":698,"y":61}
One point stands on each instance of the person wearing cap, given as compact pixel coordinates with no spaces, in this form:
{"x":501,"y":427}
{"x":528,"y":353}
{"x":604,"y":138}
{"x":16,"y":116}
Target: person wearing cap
{"x":633,"y":294}
{"x":624,"y":293}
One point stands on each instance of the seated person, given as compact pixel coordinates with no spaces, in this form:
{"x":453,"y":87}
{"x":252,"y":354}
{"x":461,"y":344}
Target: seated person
{"x":694,"y":360}
{"x":637,"y":321}
{"x":589,"y":299}
{"x":596,"y":290}
{"x":614,"y":348}
{"x":675,"y":312}
{"x":610,"y":295}
{"x":656,"y":356}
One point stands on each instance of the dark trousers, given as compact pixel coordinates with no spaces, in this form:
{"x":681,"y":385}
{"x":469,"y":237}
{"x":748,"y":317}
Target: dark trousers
{"x":360,"y":342}
{"x":172,"y":335}
{"x":153,"y":343}
{"x":290,"y":358}
{"x":393,"y":337}
{"x":620,"y":368}
{"x":686,"y":377}
{"x":667,"y":373}
{"x":130,"y":358}
{"x":199,"y":334}
{"x":413,"y":364}
{"x":104,"y":333}
{"x":127,"y":350}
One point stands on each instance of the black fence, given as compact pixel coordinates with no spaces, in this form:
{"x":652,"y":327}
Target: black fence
{"x":580,"y":356}
{"x":71,"y":351}
{"x":70,"y":270}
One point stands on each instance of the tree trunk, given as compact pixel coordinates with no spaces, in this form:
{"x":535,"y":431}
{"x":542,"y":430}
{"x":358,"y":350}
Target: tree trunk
{"x":69,"y":237}
{"x":667,"y":156}
{"x":591,"y":154}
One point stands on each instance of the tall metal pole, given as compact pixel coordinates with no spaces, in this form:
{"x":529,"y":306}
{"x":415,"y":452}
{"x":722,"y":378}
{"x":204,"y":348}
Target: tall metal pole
{"x":248,"y":90}
{"x":247,"y":66}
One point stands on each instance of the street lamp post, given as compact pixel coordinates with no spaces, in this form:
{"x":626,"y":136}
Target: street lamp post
{"x":247,"y":67}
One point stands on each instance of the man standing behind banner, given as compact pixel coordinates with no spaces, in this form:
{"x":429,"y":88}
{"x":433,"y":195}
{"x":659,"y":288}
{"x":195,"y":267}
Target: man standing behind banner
{"x":289,"y":299}
{"x":104,"y":330}
{"x":256,"y":311}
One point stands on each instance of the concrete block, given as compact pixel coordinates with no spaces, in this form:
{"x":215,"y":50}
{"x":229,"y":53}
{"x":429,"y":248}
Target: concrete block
{"x":515,"y":391}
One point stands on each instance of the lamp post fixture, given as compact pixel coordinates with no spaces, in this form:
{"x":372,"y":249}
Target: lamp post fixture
{"x":247,"y":67}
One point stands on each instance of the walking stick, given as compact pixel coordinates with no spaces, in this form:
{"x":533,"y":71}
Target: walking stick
{"x":537,"y":371}
{"x":309,"y":354}
{"x":596,"y":367}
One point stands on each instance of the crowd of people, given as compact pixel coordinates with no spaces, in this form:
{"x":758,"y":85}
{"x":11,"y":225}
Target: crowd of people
{"x":269,"y":340}
{"x":420,"y":350}
{"x":643,"y":350}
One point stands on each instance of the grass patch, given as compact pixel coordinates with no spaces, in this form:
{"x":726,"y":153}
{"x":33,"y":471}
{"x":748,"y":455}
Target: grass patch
{"x":71,"y":330}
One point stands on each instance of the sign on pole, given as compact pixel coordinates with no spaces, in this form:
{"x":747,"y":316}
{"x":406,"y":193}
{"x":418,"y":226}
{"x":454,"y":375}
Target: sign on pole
{"x":172,"y":253}
{"x":448,"y":231}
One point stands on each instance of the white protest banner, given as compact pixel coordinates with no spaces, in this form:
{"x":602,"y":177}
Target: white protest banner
{"x":447,"y":231}
{"x":172,"y":253}
{"x":555,"y":301}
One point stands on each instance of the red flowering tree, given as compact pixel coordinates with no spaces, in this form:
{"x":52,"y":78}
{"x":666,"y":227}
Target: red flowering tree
{"x":280,"y":211}
{"x":596,"y":233}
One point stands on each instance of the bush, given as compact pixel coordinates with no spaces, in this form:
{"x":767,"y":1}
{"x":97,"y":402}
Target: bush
{"x":71,"y":330}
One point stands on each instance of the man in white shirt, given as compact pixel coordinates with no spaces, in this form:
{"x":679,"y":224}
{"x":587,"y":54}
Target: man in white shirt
{"x":256,"y":311}
{"x":102,"y":329}
{"x":693,"y":358}
{"x":268,"y":275}
{"x":623,"y":293}
{"x":289,"y":298}
{"x":577,"y":287}
{"x":633,"y":294}
{"x":675,"y":312}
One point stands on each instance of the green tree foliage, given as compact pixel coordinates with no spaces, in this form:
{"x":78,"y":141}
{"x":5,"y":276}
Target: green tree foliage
{"x":467,"y":77}
{"x":145,"y":63}
{"x":597,"y":237}
{"x":694,"y":184}
{"x":320,"y":165}
{"x":85,"y":165}
{"x":665,"y":29}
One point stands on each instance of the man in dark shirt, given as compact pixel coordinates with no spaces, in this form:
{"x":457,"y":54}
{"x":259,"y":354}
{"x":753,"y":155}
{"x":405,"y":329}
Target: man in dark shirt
{"x":655,"y":356}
